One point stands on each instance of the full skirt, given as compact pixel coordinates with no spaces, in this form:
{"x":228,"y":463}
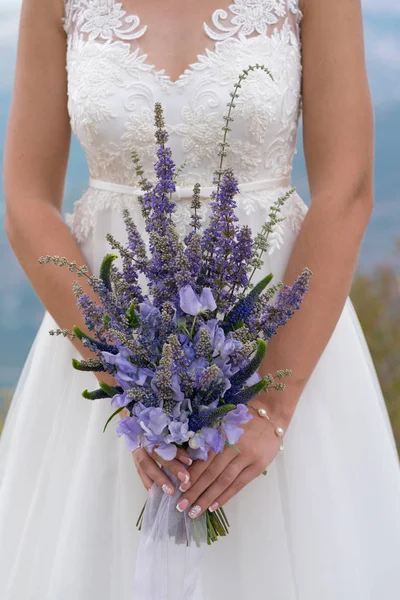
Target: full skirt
{"x":323,"y":524}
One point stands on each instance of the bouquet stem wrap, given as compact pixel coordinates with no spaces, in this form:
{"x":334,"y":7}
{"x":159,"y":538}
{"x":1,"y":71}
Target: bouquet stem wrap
{"x":170,"y":550}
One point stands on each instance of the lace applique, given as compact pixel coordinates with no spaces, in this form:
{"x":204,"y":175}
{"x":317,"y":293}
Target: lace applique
{"x":94,"y":72}
{"x":250,"y":16}
{"x":104,"y":19}
{"x":86,"y":211}
{"x":260,"y":106}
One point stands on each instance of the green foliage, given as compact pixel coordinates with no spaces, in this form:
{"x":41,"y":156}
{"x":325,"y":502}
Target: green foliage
{"x":5,"y":401}
{"x":88,"y":365}
{"x":95,"y":395}
{"x":376,"y":298}
{"x":105,"y":269}
{"x":112,"y":416}
{"x":108,"y":389}
{"x":132,"y":317}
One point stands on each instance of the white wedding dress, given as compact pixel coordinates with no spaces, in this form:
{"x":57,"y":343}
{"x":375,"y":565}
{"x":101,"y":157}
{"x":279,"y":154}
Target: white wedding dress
{"x":324,"y":524}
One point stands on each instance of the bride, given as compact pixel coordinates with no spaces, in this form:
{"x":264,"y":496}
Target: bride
{"x":325,"y":521}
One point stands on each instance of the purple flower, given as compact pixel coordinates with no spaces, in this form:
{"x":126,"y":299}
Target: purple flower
{"x":120,"y":400}
{"x":219,"y":242}
{"x":230,"y":422}
{"x":221,"y":345}
{"x":192,"y":304}
{"x":178,"y":431}
{"x":288,"y":301}
{"x":152,"y":420}
{"x":149,"y":312}
{"x":197,"y":367}
{"x":203,"y":440}
{"x":255,"y":378}
{"x":166,"y":451}
{"x":131,"y":429}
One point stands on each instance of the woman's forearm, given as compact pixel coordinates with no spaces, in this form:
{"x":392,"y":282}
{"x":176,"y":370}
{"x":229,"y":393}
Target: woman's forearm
{"x":328,"y":244}
{"x":40,"y":230}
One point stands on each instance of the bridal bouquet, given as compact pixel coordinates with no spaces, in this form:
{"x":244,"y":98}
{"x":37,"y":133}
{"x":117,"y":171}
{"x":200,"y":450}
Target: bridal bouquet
{"x":186,"y":350}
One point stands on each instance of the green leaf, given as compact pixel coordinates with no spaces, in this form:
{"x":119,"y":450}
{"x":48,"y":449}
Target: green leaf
{"x":79,"y":333}
{"x":253,"y":365}
{"x":235,"y":448}
{"x":238,"y":325}
{"x":108,"y":389}
{"x":106,"y":319}
{"x":248,"y":393}
{"x":82,"y":335}
{"x":112,"y":416}
{"x":97,"y":366}
{"x":261,"y":285}
{"x":95,"y":395}
{"x":105,"y":269}
{"x":132,"y":317}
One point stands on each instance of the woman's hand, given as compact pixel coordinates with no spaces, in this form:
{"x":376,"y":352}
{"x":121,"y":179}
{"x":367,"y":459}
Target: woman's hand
{"x":215,"y":481}
{"x":150,"y":471}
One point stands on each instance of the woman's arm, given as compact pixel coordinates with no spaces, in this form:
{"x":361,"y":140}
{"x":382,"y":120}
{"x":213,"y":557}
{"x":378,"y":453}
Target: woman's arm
{"x":36,"y":156}
{"x":338,"y":143}
{"x":37,"y":147}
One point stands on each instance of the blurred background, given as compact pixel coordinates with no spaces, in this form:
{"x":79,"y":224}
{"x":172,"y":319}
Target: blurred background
{"x":376,"y":288}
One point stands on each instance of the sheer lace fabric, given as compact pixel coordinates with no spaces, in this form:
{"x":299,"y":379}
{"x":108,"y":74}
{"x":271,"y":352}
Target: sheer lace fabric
{"x":112,"y":90}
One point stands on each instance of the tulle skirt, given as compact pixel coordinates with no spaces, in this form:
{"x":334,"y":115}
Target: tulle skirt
{"x":324,"y":524}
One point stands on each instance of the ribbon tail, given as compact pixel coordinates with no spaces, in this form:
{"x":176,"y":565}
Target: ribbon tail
{"x":170,"y":550}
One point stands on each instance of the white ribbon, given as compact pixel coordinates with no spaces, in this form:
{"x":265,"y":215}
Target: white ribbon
{"x":170,"y":550}
{"x":182,"y":193}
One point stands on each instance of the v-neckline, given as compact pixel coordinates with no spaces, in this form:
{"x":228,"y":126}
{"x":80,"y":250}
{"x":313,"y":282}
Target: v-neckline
{"x":161,"y":72}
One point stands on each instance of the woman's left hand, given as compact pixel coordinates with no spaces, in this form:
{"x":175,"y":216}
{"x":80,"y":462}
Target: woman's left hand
{"x":222,"y":476}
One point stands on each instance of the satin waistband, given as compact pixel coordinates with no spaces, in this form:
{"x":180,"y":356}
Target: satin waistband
{"x":187,"y":192}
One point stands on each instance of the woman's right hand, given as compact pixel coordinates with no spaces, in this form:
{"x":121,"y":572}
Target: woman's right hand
{"x":150,"y":471}
{"x":148,"y":465}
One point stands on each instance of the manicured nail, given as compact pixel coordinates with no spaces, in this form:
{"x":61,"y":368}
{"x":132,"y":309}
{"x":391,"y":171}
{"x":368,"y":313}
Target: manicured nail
{"x":184,"y":477}
{"x":182,"y":505}
{"x":213,"y":507}
{"x":184,"y":487}
{"x":195,"y":511}
{"x":187,"y":460}
{"x":167,"y":489}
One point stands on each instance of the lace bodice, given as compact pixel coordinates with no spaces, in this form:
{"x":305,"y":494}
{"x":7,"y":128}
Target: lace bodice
{"x":112,"y":90}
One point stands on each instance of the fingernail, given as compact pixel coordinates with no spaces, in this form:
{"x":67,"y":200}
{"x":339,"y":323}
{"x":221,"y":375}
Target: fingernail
{"x":184,"y":487}
{"x":167,"y":489}
{"x":195,"y":511}
{"x":188,"y":461}
{"x":213,"y":507}
{"x":182,"y":505}
{"x":184,"y":477}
